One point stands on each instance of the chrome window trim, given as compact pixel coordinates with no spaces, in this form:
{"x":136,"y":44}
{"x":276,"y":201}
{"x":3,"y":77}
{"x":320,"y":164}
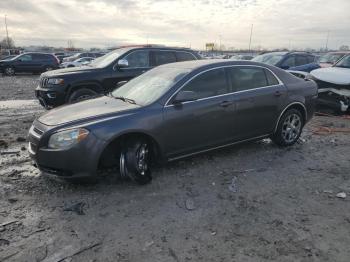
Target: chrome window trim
{"x":285,"y":109}
{"x":235,"y":92}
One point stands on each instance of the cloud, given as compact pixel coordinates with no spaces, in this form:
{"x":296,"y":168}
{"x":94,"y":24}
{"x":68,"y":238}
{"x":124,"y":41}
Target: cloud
{"x":102,"y":23}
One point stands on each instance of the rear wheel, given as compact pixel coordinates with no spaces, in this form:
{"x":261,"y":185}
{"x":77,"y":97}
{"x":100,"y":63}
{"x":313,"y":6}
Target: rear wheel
{"x":135,"y":161}
{"x":289,"y":128}
{"x":81,"y":94}
{"x":10,"y":71}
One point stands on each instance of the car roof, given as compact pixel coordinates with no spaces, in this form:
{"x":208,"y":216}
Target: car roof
{"x":198,"y":64}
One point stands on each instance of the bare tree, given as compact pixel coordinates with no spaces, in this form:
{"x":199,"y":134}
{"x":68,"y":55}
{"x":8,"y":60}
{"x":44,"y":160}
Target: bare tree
{"x":7,"y":43}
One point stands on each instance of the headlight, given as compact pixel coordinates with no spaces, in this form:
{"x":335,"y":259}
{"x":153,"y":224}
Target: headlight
{"x":55,"y":81}
{"x":66,"y":139}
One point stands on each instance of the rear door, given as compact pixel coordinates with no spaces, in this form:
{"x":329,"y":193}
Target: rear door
{"x":161,"y":57}
{"x":258,"y":97}
{"x":203,"y":123}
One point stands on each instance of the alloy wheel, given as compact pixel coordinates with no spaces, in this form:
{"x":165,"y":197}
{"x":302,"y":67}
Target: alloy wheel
{"x":9,"y":71}
{"x":291,"y":128}
{"x":142,"y":159}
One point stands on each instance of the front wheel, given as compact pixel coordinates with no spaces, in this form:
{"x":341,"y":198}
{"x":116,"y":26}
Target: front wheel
{"x":289,"y":128}
{"x":81,"y":94}
{"x":10,"y":71}
{"x":135,"y":161}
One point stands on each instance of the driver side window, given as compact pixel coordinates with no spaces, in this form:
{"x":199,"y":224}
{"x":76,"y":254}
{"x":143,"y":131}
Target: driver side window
{"x":211,"y":83}
{"x":138,"y":59}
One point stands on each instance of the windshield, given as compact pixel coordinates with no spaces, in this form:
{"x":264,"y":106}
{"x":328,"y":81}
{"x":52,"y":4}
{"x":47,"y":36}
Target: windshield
{"x":271,"y":59}
{"x":108,"y":58}
{"x":150,"y":86}
{"x":330,"y":58}
{"x":345,"y":62}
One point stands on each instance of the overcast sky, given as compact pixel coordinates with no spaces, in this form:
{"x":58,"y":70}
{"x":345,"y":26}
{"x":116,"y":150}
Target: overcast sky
{"x":103,"y":23}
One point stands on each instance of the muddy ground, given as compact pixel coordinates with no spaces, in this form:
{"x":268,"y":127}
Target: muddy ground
{"x":251,"y":202}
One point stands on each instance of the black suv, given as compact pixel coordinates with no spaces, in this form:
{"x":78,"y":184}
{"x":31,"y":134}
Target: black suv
{"x":104,"y":74}
{"x":29,"y":63}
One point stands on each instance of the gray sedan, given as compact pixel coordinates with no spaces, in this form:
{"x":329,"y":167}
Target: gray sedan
{"x":171,"y":112}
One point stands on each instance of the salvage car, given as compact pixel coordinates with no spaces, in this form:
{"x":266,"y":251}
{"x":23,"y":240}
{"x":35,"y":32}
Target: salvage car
{"x":334,"y":85}
{"x":170,"y":112}
{"x":29,"y":63}
{"x":331,"y":58}
{"x":78,"y":62}
{"x":104,"y":74}
{"x":298,"y":61}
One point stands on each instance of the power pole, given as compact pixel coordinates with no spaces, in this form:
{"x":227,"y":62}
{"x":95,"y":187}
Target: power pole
{"x":250,"y":39}
{"x":7,"y":33}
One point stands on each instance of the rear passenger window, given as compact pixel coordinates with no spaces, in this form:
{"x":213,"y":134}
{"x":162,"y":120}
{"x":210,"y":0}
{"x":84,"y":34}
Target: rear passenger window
{"x":164,"y":57}
{"x":271,"y":79}
{"x":40,"y":57}
{"x":184,"y":56}
{"x":247,"y":78}
{"x":138,"y":59}
{"x":211,"y":83}
{"x":301,"y":60}
{"x":289,"y":62}
{"x":310,"y":59}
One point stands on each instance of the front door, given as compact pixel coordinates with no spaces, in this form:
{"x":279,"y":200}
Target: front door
{"x":202,"y":123}
{"x":138,"y":63}
{"x":24,"y":63}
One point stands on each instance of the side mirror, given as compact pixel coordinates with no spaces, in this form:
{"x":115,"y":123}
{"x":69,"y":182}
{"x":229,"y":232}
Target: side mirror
{"x":123,"y":63}
{"x":184,"y":96}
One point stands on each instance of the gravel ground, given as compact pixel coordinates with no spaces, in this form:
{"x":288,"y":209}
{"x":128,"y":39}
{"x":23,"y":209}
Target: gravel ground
{"x":251,"y":202}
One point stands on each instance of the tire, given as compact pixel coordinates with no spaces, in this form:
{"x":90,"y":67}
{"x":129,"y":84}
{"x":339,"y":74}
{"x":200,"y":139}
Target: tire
{"x":81,"y":94}
{"x":10,"y":71}
{"x":135,"y":161}
{"x":289,"y":129}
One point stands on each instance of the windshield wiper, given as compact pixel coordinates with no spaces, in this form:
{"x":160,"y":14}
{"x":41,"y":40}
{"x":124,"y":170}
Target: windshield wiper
{"x":124,"y":99}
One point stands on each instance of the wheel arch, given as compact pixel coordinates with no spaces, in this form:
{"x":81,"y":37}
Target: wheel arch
{"x":108,"y":154}
{"x":296,"y":105}
{"x":96,"y":86}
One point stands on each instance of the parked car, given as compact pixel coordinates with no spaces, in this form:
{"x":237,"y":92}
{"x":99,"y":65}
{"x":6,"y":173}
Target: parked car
{"x":170,"y":112}
{"x":29,"y":63}
{"x":331,"y":58}
{"x":78,"y":62}
{"x":61,"y":57}
{"x":334,"y":85}
{"x":298,"y":61}
{"x":242,"y":57}
{"x":81,"y":55}
{"x":104,"y":74}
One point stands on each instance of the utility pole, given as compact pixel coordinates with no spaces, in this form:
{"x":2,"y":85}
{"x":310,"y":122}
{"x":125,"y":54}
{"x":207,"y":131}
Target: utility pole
{"x":327,"y":40}
{"x":250,"y":39}
{"x":7,"y":33}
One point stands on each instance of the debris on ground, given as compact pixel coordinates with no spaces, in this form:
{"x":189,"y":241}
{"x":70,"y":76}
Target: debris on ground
{"x":189,"y":203}
{"x":341,"y":195}
{"x":233,"y":186}
{"x":77,"y":208}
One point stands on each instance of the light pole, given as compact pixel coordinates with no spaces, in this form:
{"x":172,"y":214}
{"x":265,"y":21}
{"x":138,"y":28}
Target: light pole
{"x":7,"y":33}
{"x":327,"y":40}
{"x":250,"y":38}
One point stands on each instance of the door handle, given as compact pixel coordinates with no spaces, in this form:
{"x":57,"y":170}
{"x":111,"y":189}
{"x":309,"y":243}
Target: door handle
{"x":226,"y":103}
{"x":278,"y":93}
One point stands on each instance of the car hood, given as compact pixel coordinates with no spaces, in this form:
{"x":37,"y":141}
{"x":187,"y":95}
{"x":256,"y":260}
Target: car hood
{"x":86,"y":111}
{"x":70,"y":71}
{"x":334,"y":75}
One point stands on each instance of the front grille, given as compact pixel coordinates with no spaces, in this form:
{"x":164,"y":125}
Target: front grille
{"x":34,"y":138}
{"x":44,"y":81}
